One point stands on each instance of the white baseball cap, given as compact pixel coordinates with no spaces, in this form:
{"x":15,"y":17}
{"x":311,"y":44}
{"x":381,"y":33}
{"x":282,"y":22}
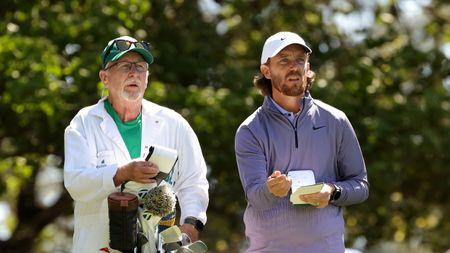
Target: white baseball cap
{"x":275,"y":43}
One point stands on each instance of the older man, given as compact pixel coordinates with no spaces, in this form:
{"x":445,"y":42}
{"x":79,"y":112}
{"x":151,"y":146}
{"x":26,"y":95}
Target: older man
{"x":105,"y":146}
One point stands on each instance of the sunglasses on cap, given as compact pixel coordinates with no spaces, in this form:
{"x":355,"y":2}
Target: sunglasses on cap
{"x":123,"y":45}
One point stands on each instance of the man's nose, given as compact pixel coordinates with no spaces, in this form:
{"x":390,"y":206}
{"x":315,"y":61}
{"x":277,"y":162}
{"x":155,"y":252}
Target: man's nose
{"x":296,"y":65}
{"x":133,"y":68}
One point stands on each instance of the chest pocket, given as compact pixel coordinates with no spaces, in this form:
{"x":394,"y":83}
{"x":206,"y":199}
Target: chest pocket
{"x":105,"y":158}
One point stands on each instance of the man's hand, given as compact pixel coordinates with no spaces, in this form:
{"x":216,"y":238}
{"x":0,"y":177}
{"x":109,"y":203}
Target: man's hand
{"x":138,"y":171}
{"x":279,"y":184}
{"x":190,"y":230}
{"x":320,"y":199}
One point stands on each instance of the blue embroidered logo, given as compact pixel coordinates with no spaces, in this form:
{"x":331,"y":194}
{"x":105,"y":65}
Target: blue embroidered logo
{"x":102,"y":164}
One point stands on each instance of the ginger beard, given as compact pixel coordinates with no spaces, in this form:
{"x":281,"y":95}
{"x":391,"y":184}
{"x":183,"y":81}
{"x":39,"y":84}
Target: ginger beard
{"x":293,"y":84}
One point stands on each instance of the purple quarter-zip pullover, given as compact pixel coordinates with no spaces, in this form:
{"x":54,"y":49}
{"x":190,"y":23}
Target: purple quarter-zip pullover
{"x":320,"y":139}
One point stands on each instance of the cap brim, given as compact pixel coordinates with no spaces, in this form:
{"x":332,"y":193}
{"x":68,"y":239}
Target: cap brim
{"x":148,"y":57}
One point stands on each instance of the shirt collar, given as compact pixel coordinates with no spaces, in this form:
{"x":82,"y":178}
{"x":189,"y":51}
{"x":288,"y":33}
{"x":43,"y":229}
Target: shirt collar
{"x":281,"y":109}
{"x":288,"y":114}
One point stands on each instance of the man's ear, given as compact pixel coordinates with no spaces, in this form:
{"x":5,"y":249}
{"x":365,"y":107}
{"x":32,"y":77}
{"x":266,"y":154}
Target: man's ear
{"x":103,"y":77}
{"x":309,"y":73}
{"x":265,"y":71}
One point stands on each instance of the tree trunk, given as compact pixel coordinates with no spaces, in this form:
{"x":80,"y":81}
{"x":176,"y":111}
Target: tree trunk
{"x":32,"y":219}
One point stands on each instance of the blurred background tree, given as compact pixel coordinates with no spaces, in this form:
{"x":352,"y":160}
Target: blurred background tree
{"x":385,"y":63}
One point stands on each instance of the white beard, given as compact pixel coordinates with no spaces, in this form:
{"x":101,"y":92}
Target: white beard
{"x":131,"y":96}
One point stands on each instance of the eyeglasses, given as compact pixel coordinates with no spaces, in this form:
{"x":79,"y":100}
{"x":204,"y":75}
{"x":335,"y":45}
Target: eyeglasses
{"x":123,"y":45}
{"x":126,"y":66}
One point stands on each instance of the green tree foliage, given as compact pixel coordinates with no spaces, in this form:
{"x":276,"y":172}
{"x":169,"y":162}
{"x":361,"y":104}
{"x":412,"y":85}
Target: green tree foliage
{"x":391,"y":78}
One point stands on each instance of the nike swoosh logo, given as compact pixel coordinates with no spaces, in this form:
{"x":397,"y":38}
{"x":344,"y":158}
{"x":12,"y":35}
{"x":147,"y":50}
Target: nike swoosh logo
{"x":283,"y":38}
{"x":316,"y":128}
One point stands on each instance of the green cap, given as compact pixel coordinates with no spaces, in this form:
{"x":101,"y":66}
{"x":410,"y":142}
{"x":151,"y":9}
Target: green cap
{"x":112,"y":52}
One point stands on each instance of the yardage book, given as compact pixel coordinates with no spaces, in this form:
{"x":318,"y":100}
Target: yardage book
{"x":164,"y":157}
{"x":303,"y":182}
